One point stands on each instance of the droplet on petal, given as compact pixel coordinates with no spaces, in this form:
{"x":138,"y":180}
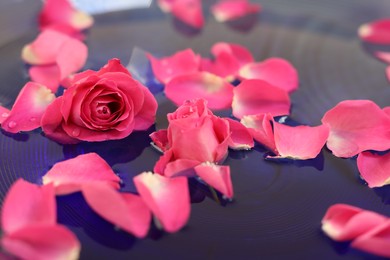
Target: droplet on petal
{"x":376,"y":31}
{"x":189,"y":12}
{"x":225,"y":10}
{"x":240,"y":138}
{"x":4,"y":112}
{"x":374,"y":168}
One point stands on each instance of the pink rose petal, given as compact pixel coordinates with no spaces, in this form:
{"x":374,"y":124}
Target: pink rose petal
{"x":167,"y":198}
{"x":383,"y":56}
{"x":28,"y":108}
{"x":374,"y":168}
{"x":68,"y":176}
{"x":160,"y":139}
{"x":214,"y":89}
{"x":181,"y":167}
{"x":224,"y":65}
{"x":376,"y":31}
{"x":356,"y":126}
{"x":276,"y":71}
{"x":71,"y":57}
{"x":146,"y":116}
{"x":240,"y":138}
{"x":240,"y":53}
{"x":4,"y":113}
{"x":42,"y":242}
{"x":225,"y":10}
{"x":217,"y":176}
{"x":386,"y":110}
{"x":125,"y":210}
{"x":47,"y":75}
{"x":166,"y":5}
{"x":189,"y":12}
{"x":256,"y":96}
{"x":376,"y":241}
{"x":344,"y":222}
{"x":180,"y":63}
{"x":28,"y":204}
{"x":299,"y":142}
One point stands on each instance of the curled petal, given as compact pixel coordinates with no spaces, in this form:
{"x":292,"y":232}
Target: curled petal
{"x":240,"y":53}
{"x":47,"y":75}
{"x":28,"y":204}
{"x":217,"y":176}
{"x":189,"y":12}
{"x":256,"y":96}
{"x":344,"y":222}
{"x":224,"y":65}
{"x":4,"y":113}
{"x":261,"y":130}
{"x":181,"y":167}
{"x":160,"y":139}
{"x":28,"y":108}
{"x":167,"y":198}
{"x":68,"y":176}
{"x":276,"y":71}
{"x":240,"y":138}
{"x":214,"y":89}
{"x":225,"y":10}
{"x":376,"y":32}
{"x":374,"y":168}
{"x":356,"y":126}
{"x":125,"y":210}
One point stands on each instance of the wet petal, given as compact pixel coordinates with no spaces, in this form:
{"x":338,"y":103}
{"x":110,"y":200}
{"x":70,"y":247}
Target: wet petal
{"x":28,"y":108}
{"x":276,"y":71}
{"x":68,"y":176}
{"x":376,"y":31}
{"x":71,"y":57}
{"x":125,"y":210}
{"x":160,"y":139}
{"x":217,"y":176}
{"x":240,"y":53}
{"x":214,"y":89}
{"x":47,"y":75}
{"x":167,"y":198}
{"x":4,"y":113}
{"x":356,"y":126}
{"x":344,"y":222}
{"x":374,"y":168}
{"x":225,"y":10}
{"x":255,"y":96}
{"x":189,"y":12}
{"x":240,"y":138}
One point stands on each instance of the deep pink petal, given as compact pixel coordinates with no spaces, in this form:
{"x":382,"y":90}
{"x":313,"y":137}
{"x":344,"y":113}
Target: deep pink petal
{"x":125,"y":210}
{"x":189,"y":12}
{"x":4,"y":113}
{"x":387,"y":110}
{"x":225,"y":10}
{"x":167,"y":198}
{"x":146,"y":117}
{"x":180,"y":63}
{"x":47,"y":75}
{"x":374,"y":168}
{"x":240,"y":138}
{"x":28,"y":108}
{"x":160,"y":139}
{"x":113,"y":65}
{"x":28,"y":204}
{"x":71,"y":57}
{"x":299,"y":142}
{"x":68,"y":176}
{"x":214,"y":89}
{"x":344,"y":222}
{"x":42,"y":242}
{"x":356,"y":126}
{"x":276,"y":71}
{"x":376,"y":31}
{"x":240,"y":53}
{"x":217,"y":176}
{"x":256,"y":96}
{"x":224,"y":65}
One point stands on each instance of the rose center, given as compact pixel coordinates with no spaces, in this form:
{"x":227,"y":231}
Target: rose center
{"x":103,"y":111}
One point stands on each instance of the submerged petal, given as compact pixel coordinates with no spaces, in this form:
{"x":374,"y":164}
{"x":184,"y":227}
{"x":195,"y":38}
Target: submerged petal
{"x":240,"y":138}
{"x":4,"y":113}
{"x":374,"y":168}
{"x":376,"y":31}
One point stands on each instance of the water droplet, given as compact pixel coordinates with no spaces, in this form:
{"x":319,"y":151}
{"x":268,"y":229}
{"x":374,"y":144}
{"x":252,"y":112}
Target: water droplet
{"x":33,"y":119}
{"x":5,"y":114}
{"x":76,"y":132}
{"x":11,"y":124}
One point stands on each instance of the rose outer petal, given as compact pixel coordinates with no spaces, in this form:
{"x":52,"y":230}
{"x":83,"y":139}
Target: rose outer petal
{"x":240,"y":138}
{"x":189,"y":12}
{"x":160,"y":139}
{"x":146,"y":117}
{"x":225,"y":10}
{"x":374,"y":168}
{"x":376,"y":31}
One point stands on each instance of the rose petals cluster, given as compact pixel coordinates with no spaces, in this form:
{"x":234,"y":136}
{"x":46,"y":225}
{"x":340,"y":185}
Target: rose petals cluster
{"x":368,"y":230}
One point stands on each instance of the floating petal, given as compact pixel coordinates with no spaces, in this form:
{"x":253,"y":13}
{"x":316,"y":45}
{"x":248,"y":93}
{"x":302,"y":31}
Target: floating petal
{"x":374,"y":168}
{"x":240,"y":138}
{"x":4,"y":113}
{"x":47,"y":75}
{"x":225,"y":10}
{"x":189,"y":12}
{"x":376,"y":32}
{"x":71,"y":57}
{"x":240,"y":53}
{"x":224,"y":65}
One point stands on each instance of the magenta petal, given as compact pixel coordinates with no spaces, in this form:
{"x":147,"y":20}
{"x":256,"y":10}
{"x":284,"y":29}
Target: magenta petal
{"x":225,"y":10}
{"x":160,"y":139}
{"x":4,"y":113}
{"x":217,"y":176}
{"x":167,"y":198}
{"x":344,"y":222}
{"x":68,"y":176}
{"x":71,"y":57}
{"x":374,"y":168}
{"x":276,"y":71}
{"x":240,"y":138}
{"x":125,"y":210}
{"x":376,"y":32}
{"x":42,"y":242}
{"x":224,"y":65}
{"x":28,"y":108}
{"x":256,"y":96}
{"x":376,"y":241}
{"x":299,"y":142}
{"x":26,"y":204}
{"x":214,"y":89}
{"x":356,"y":126}
{"x":240,"y":53}
{"x":189,"y":12}
{"x":47,"y":75}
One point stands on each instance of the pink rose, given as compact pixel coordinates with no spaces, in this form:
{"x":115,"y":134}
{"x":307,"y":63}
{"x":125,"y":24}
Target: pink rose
{"x":100,"y":105}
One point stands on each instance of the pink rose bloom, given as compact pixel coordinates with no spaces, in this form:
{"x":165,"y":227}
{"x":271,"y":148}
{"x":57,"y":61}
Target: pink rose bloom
{"x":100,"y":105}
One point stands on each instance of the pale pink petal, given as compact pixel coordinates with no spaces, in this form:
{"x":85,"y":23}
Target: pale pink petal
{"x":4,"y":113}
{"x":160,"y":139}
{"x":383,"y":56}
{"x":181,"y":167}
{"x":344,"y":222}
{"x":376,"y":241}
{"x":28,"y":108}
{"x":276,"y":71}
{"x":261,"y":130}
{"x":42,"y":242}
{"x":166,"y":5}
{"x":240,"y":53}
{"x":167,"y":198}
{"x":189,"y":12}
{"x":356,"y":126}
{"x":27,"y":204}
{"x":71,"y":57}
{"x":225,"y":10}
{"x":125,"y":210}
{"x":299,"y":142}
{"x":374,"y":168}
{"x":376,"y":31}
{"x":47,"y":75}
{"x":68,"y":176}
{"x":217,"y":176}
{"x":240,"y":138}
{"x":180,"y":63}
{"x":212,"y":88}
{"x":256,"y":96}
